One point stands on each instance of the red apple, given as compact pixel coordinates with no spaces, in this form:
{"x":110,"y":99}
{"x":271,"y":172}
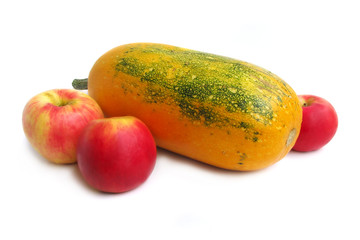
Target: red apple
{"x":319,"y":123}
{"x":116,"y":154}
{"x":53,"y":120}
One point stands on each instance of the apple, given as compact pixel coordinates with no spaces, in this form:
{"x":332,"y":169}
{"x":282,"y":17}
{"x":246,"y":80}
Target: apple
{"x":53,"y":121}
{"x":116,"y":154}
{"x":319,"y":123}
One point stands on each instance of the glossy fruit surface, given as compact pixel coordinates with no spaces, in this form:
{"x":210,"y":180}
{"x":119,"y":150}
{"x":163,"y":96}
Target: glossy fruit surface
{"x":116,"y":154}
{"x":319,"y":124}
{"x":53,"y":120}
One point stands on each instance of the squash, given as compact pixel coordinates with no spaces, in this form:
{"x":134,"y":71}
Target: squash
{"x":214,"y":109}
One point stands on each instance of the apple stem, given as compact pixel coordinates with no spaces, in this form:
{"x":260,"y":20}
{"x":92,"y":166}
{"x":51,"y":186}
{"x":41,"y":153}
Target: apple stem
{"x":80,"y":84}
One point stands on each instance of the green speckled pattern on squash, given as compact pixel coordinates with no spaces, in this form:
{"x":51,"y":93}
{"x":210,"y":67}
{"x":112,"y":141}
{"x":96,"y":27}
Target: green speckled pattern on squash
{"x":197,"y":82}
{"x":215,"y":109}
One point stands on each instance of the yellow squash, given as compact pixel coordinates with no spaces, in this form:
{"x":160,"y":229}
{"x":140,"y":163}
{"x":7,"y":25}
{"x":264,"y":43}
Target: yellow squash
{"x":217,"y":110}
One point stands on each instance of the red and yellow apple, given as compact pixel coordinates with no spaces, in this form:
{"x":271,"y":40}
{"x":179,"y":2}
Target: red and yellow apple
{"x":53,"y":120}
{"x":319,"y":123}
{"x":116,"y":154}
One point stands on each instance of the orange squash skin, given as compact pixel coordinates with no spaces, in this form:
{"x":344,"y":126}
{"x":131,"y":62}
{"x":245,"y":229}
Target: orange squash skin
{"x":217,"y":110}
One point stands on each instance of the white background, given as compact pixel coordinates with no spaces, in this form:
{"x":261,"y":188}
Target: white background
{"x":313,"y":45}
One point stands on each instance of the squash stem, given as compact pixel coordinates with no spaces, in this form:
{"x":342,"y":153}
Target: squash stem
{"x":80,"y":84}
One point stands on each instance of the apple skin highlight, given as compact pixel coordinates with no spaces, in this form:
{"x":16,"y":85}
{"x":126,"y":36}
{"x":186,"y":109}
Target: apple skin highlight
{"x":53,"y":120}
{"x":116,"y":154}
{"x":319,"y":124}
